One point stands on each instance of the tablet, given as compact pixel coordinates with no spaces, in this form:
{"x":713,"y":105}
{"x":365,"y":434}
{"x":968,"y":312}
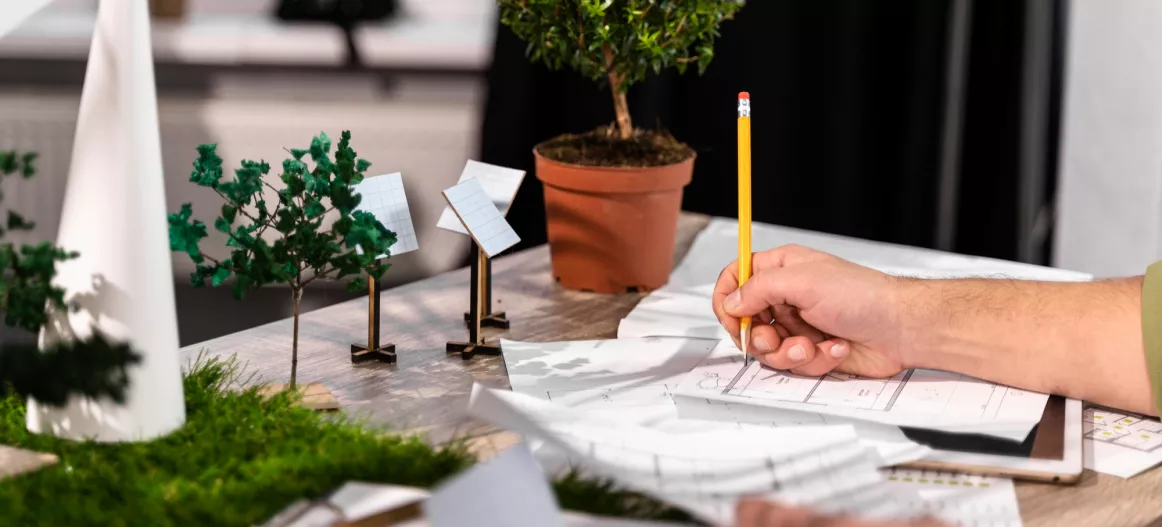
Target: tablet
{"x":1051,"y":453}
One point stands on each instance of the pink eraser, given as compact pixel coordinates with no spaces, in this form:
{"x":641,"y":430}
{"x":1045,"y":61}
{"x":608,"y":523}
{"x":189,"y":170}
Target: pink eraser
{"x":744,"y":95}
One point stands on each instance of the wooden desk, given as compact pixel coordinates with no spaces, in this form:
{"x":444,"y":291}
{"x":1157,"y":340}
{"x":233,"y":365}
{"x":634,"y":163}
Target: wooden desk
{"x":428,"y":389}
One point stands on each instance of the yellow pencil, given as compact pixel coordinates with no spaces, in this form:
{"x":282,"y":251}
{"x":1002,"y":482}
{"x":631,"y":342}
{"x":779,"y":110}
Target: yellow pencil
{"x":744,"y":204}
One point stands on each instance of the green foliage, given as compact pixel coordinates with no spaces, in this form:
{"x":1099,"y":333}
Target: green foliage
{"x":302,"y":251}
{"x":94,"y":367}
{"x":239,"y":460}
{"x":622,"y":38}
{"x":28,"y":270}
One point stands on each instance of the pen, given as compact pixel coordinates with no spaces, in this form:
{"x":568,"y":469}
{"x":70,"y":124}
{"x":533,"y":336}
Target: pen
{"x":744,"y":204}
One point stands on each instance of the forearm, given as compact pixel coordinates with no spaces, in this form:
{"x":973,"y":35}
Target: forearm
{"x":1081,"y":340}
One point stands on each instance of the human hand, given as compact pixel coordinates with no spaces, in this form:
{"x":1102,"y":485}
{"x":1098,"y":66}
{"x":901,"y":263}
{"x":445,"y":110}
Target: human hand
{"x":814,"y":312}
{"x":758,"y":513}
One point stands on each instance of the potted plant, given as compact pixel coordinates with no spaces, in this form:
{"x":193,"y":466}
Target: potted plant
{"x":302,"y":251}
{"x":613,"y":195}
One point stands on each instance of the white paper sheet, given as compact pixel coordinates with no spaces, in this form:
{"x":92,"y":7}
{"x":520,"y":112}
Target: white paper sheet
{"x":822,"y":467}
{"x":500,"y":183}
{"x":508,"y":491}
{"x":633,"y":380}
{"x":1120,"y":443}
{"x":479,"y":215}
{"x":383,"y":196}
{"x":958,"y":499}
{"x":916,"y":398}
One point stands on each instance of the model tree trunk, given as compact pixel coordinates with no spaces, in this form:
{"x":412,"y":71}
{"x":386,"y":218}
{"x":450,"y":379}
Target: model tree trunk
{"x":297,"y":294}
{"x":617,"y":88}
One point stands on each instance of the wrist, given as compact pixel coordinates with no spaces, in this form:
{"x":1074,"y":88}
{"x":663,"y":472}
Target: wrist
{"x":923,"y":320}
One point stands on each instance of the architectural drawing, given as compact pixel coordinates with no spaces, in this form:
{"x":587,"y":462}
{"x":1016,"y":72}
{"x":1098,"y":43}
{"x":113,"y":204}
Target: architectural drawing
{"x":1121,"y":428}
{"x":919,"y":398}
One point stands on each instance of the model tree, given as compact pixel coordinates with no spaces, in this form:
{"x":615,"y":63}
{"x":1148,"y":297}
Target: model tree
{"x":619,"y":40}
{"x":286,"y":243}
{"x":95,"y":367}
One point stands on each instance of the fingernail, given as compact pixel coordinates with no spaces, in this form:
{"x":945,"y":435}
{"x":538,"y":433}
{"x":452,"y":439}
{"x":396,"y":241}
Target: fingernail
{"x":797,"y":353}
{"x":761,"y":344}
{"x":734,"y":300}
{"x":839,"y":350}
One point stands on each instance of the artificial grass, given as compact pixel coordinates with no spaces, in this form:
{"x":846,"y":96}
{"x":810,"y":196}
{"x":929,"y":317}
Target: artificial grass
{"x":239,"y":460}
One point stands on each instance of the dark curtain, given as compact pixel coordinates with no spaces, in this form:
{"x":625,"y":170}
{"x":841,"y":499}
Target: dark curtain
{"x":848,"y":111}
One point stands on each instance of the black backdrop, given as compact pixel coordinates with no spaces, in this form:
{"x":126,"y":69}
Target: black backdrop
{"x":848,"y":102}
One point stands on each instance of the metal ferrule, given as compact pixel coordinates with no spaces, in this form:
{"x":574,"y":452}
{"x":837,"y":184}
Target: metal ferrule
{"x":744,"y":107}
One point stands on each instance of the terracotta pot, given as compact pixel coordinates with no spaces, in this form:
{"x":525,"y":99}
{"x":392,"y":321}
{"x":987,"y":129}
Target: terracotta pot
{"x":611,"y":229}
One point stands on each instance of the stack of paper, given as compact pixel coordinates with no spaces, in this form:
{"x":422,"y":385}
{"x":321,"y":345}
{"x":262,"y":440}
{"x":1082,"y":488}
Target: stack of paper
{"x":825,"y":468}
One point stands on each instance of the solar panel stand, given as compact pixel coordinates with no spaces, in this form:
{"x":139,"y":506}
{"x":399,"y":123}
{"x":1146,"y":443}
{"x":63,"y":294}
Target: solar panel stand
{"x":476,"y":342}
{"x":488,"y":319}
{"x":373,"y":350}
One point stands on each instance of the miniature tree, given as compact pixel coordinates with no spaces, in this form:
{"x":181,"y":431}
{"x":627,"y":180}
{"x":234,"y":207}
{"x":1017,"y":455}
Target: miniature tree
{"x":302,"y":250}
{"x":619,"y":40}
{"x":93,"y":367}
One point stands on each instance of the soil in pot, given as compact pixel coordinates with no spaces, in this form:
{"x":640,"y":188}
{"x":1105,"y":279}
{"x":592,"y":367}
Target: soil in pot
{"x":603,"y":148}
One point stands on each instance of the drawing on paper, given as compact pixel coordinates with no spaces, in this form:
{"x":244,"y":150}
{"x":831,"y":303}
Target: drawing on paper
{"x":1122,"y":428}
{"x":724,"y":376}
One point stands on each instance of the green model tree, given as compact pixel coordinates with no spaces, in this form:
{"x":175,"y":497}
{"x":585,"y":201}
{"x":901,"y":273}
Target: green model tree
{"x":302,"y":251}
{"x":94,"y":367}
{"x":619,"y":40}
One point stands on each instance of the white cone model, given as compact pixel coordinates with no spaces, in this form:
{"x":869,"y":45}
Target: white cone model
{"x":114,"y":215}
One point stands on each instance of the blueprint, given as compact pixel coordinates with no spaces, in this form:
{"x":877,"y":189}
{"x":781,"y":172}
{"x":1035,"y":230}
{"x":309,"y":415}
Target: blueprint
{"x":914,"y":398}
{"x":1120,"y":443}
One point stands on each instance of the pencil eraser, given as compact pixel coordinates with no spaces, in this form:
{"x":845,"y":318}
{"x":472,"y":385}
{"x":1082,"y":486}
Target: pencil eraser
{"x":744,"y":95}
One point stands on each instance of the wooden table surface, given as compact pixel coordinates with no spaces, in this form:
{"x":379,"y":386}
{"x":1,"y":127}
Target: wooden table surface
{"x":427,"y":390}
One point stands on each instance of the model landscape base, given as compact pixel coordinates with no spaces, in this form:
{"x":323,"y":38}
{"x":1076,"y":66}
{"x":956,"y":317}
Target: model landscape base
{"x":314,"y":396}
{"x":17,"y":461}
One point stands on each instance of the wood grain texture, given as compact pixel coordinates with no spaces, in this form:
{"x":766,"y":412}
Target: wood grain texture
{"x":427,"y":390}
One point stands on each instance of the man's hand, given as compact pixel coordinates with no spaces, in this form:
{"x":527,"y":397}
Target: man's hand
{"x":757,"y":513}
{"x":814,"y":312}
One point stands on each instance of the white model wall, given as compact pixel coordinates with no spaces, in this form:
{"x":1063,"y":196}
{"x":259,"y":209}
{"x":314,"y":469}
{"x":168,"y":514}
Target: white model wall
{"x":1110,"y":198}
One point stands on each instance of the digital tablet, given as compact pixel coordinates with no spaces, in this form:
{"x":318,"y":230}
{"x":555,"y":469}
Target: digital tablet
{"x":1051,"y":453}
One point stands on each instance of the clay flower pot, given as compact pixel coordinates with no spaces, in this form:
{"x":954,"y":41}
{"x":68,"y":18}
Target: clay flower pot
{"x":611,"y":229}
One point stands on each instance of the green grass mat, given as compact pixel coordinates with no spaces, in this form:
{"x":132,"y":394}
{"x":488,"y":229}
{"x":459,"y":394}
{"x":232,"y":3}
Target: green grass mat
{"x":238,"y":460}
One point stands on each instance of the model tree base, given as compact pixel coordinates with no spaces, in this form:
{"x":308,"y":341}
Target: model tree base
{"x":495,"y":320}
{"x":314,"y":396}
{"x":362,"y":353}
{"x":467,"y":350}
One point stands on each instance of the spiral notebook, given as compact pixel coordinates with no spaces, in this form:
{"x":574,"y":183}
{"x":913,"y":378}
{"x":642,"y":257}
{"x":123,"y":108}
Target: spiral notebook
{"x":957,"y":499}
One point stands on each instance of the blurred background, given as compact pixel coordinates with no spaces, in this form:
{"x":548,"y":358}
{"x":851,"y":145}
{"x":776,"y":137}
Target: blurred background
{"x":1026,"y":130}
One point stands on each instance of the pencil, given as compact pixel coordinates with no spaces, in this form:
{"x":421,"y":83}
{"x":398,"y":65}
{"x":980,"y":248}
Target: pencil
{"x":744,"y":204}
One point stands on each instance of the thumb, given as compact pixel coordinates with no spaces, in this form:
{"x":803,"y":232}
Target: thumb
{"x":768,"y":288}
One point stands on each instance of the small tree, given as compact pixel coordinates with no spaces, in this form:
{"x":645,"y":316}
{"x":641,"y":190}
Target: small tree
{"x":619,"y":40}
{"x":93,"y":367}
{"x":302,"y":251}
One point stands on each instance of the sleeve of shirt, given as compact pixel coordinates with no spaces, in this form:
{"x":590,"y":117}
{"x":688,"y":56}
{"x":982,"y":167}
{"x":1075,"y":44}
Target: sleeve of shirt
{"x":1152,"y":329}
